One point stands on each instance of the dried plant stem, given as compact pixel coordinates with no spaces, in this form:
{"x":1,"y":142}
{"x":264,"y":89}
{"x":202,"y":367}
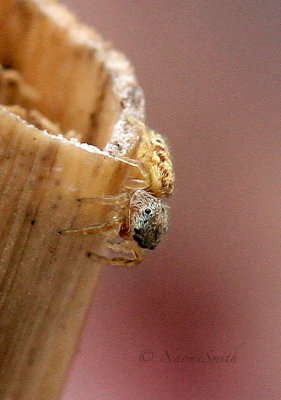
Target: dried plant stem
{"x":46,"y":279}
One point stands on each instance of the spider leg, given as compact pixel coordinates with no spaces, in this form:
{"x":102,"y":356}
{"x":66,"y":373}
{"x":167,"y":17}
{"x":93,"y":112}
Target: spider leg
{"x":136,"y":183}
{"x":125,"y":246}
{"x":107,"y":228}
{"x":140,"y":163}
{"x":118,"y":199}
{"x":137,"y":255}
{"x":135,"y":163}
{"x":145,"y":131}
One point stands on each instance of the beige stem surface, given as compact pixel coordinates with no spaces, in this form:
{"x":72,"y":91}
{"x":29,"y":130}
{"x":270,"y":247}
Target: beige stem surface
{"x":67,"y":77}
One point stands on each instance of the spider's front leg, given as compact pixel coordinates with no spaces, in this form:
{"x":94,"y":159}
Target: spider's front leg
{"x":119,"y":199}
{"x":125,"y":246}
{"x":109,"y":228}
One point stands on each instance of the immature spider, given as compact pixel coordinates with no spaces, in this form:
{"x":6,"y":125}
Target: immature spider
{"x":138,"y":215}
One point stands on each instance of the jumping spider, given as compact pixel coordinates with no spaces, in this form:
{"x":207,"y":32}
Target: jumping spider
{"x":138,"y":215}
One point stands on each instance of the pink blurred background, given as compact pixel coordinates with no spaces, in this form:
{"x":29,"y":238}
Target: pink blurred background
{"x":211,"y":75}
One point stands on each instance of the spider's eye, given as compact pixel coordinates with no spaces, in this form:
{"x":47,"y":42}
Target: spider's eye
{"x":137,"y":230}
{"x":147,"y":211}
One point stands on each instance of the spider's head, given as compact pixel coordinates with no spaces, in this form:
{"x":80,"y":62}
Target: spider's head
{"x":149,"y":219}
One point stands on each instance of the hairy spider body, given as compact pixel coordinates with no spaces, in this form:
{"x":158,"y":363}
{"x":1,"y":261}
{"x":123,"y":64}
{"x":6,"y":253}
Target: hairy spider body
{"x":148,"y":219}
{"x":154,"y":153}
{"x":138,"y":215}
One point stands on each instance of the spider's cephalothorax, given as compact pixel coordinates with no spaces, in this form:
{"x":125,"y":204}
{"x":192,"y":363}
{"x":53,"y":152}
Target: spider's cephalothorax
{"x":148,"y":219}
{"x":138,"y":215}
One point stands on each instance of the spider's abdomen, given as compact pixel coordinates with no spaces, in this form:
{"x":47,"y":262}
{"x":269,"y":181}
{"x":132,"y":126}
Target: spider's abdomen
{"x":161,"y":167}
